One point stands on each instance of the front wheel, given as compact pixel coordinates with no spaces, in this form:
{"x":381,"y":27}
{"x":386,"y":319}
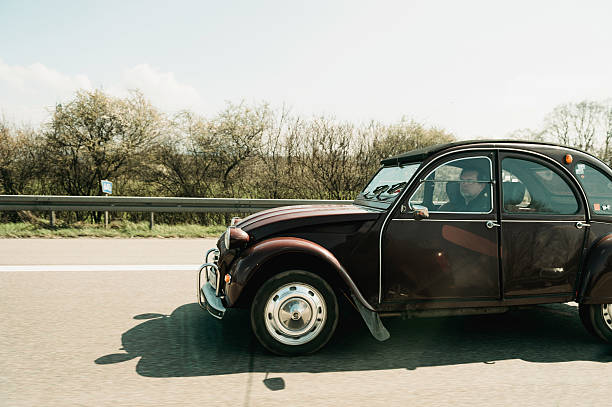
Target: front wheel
{"x":294,"y":312}
{"x":597,"y":318}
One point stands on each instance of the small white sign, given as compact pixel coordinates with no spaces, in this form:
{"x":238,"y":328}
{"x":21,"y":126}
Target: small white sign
{"x":107,"y":187}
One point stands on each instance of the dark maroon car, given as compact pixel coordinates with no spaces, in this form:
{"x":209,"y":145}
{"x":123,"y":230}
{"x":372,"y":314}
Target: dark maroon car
{"x":454,"y":229}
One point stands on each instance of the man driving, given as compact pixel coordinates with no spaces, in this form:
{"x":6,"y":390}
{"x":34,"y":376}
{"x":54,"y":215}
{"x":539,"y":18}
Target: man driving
{"x":472,"y":194}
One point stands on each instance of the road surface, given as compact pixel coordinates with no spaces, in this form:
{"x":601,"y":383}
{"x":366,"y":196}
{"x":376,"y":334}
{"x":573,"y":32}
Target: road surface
{"x":127,"y":332}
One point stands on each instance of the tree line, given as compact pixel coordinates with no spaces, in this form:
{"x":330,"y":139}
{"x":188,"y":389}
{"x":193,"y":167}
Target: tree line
{"x":246,"y":151}
{"x":585,"y":125}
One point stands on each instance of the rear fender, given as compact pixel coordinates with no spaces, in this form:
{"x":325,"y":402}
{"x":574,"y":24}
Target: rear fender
{"x":596,"y":286}
{"x":254,"y":259}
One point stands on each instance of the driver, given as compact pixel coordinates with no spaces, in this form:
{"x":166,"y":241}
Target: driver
{"x":473,"y":195}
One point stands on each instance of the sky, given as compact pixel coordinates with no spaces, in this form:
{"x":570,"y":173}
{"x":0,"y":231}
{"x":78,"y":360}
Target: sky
{"x":474,"y":68}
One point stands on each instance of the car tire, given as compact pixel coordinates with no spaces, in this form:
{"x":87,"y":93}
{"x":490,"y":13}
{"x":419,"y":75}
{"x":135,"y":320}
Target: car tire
{"x":584,"y":310}
{"x":294,"y":313}
{"x":597,"y":318}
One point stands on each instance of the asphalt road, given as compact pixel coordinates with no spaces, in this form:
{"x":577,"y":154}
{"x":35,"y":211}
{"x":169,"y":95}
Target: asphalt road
{"x":136,"y":337}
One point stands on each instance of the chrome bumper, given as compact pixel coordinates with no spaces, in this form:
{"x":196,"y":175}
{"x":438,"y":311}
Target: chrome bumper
{"x":207,"y":293}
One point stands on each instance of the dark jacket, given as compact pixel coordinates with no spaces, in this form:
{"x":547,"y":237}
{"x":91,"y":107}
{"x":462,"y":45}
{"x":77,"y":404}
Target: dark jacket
{"x":456,"y":203}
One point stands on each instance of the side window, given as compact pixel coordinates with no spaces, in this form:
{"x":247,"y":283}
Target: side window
{"x":529,"y":187}
{"x":462,"y":185}
{"x":597,"y":186}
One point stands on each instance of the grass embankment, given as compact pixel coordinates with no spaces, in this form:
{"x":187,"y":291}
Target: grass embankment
{"x":115,"y":229}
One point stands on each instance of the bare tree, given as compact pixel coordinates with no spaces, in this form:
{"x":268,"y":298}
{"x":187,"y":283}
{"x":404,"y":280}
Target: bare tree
{"x":237,"y":134}
{"x":586,"y":118}
{"x":185,"y":161}
{"x":19,"y":159}
{"x":528,"y":135}
{"x":404,"y":136}
{"x":558,"y":124}
{"x":576,"y":124}
{"x":607,"y":121}
{"x":275,"y":155}
{"x":95,"y":136}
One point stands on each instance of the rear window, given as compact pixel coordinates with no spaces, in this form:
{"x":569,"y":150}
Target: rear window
{"x":597,"y":186}
{"x":530,"y":187}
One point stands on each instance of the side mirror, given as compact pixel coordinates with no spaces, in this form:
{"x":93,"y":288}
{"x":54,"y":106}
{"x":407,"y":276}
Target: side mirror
{"x":420,"y":212}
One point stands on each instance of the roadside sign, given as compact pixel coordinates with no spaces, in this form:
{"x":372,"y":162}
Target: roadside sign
{"x":107,"y":187}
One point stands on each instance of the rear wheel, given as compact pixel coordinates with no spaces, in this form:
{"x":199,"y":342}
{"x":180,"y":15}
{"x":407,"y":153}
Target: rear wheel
{"x":597,"y":318}
{"x":294,"y":312}
{"x":584,"y":311}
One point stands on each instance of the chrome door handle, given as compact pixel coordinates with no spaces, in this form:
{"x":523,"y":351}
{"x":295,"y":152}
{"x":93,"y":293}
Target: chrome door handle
{"x":580,"y":225}
{"x":491,"y":224}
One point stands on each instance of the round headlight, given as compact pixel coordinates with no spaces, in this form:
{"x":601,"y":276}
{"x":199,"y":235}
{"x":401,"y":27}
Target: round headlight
{"x":235,"y":238}
{"x":227,"y":237}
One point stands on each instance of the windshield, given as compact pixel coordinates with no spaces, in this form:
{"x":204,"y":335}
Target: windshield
{"x":388,"y":183}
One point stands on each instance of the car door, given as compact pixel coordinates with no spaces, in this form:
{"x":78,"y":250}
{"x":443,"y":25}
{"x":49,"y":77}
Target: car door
{"x":542,"y":227}
{"x":452,"y":254}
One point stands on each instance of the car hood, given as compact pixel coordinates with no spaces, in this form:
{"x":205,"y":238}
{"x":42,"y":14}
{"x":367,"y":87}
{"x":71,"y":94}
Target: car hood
{"x":277,"y":220}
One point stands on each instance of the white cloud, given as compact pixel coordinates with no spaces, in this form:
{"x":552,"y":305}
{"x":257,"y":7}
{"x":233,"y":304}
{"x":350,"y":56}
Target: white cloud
{"x":31,"y":78}
{"x":28,"y":93}
{"x":161,"y":88}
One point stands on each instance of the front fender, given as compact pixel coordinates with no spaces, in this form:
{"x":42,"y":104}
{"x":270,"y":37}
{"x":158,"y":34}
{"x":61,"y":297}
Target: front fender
{"x":596,"y":286}
{"x":255,"y":258}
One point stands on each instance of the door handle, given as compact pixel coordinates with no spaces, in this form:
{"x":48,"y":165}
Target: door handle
{"x":491,"y":224}
{"x":580,"y":225}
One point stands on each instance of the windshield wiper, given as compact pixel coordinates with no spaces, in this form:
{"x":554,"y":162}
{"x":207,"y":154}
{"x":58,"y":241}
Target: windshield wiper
{"x":392,"y":190}
{"x":376,"y":192}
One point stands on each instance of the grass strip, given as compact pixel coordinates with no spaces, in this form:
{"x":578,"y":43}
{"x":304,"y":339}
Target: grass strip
{"x":114,"y":230}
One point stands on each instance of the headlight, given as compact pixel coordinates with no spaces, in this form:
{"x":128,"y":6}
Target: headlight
{"x":227,"y":237}
{"x":235,"y":238}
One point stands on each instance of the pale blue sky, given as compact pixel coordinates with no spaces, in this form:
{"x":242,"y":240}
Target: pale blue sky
{"x":475,"y":68}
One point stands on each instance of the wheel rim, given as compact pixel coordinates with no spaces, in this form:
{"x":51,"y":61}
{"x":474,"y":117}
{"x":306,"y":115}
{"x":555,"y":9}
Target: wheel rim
{"x":295,"y":314}
{"x":606,"y":313}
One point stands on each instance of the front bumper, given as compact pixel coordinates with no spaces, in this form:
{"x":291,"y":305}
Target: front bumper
{"x":208,"y":300}
{"x":208,"y":295}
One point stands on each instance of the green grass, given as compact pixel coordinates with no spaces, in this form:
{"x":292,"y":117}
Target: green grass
{"x":115,"y":229}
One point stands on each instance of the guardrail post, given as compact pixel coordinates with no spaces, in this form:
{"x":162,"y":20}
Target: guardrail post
{"x":52,"y":219}
{"x":151,"y":221}
{"x":106,"y":215}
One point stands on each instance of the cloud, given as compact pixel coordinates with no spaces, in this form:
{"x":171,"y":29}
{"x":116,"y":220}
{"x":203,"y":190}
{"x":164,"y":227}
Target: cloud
{"x":29,"y":93}
{"x":161,"y":88}
{"x":32,"y":78}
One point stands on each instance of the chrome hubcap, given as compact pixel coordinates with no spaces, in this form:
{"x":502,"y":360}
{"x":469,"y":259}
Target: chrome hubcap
{"x":606,"y":312}
{"x":295,"y":314}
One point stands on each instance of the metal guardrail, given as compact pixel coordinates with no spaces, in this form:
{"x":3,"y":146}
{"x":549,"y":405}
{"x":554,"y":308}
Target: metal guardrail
{"x":148,"y":204}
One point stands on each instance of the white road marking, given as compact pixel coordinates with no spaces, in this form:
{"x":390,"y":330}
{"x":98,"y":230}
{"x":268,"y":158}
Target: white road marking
{"x":103,"y":267}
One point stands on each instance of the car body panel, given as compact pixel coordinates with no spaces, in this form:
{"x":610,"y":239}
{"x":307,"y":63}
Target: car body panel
{"x":257,"y":256}
{"x":596,"y":286}
{"x":540,"y":258}
{"x":450,"y":260}
{"x":278,"y":220}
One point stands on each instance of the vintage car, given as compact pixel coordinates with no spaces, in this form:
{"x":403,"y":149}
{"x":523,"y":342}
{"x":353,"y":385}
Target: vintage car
{"x":463,"y":228}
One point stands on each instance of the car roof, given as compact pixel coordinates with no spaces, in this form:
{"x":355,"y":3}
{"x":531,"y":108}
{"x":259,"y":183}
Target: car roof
{"x":422,"y":153}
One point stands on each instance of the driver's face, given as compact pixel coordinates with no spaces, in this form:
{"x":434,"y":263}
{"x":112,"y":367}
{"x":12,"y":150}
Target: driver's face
{"x":468,"y":186}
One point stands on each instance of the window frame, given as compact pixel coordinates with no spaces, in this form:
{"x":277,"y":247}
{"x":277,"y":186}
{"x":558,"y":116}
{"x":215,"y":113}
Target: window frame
{"x":491,"y":183}
{"x":570,"y":180}
{"x":594,"y":214}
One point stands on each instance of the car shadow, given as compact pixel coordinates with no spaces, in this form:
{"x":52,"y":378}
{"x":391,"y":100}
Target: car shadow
{"x":189,"y":342}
